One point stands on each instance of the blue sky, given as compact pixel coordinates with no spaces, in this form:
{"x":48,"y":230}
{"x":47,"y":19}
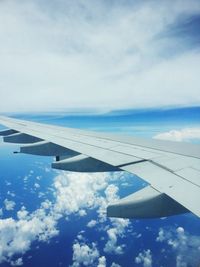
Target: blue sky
{"x":61,"y":54}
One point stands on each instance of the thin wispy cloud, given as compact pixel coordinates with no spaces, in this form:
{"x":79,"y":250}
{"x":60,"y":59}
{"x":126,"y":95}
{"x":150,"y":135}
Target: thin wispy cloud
{"x":64,"y":54}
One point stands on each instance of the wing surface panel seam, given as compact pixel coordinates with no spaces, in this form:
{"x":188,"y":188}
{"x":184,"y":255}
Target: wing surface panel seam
{"x":165,"y":168}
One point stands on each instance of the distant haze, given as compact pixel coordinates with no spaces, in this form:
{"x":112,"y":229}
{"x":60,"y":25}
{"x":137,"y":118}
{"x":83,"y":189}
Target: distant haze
{"x":58,"y":55}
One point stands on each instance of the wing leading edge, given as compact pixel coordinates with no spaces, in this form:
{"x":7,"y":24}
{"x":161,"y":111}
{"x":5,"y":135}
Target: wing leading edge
{"x":171,"y":169}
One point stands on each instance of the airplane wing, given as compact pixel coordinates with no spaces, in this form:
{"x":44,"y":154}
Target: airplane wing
{"x":171,"y":169}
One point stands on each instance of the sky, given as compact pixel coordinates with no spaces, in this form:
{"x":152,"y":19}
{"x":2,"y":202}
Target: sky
{"x":58,"y":55}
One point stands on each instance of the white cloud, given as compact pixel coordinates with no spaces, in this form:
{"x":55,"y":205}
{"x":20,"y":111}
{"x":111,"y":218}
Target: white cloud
{"x":144,"y":258}
{"x":17,"y":235}
{"x":115,"y":265}
{"x":11,"y":194}
{"x":83,"y":255}
{"x":111,"y":192}
{"x":109,"y":47}
{"x":118,"y":230}
{"x":92,"y":223}
{"x":70,"y":187}
{"x":9,"y":204}
{"x":36,"y":185}
{"x":185,"y":134}
{"x":69,"y":199}
{"x":80,"y":237}
{"x":46,"y":204}
{"x":111,"y":246}
{"x":110,"y":196}
{"x":187,"y":247}
{"x":22,"y":214}
{"x":102,"y":262}
{"x":161,"y":235}
{"x":17,"y":262}
{"x":82,"y":213}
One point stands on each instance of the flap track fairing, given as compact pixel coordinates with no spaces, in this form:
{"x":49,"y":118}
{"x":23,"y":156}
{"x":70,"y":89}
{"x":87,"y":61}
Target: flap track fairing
{"x":146,"y":203}
{"x":8,"y":132}
{"x":82,"y":163}
{"x":21,"y":138}
{"x":45,"y":148}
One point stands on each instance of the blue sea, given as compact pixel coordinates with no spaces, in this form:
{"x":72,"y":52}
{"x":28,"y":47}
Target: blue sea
{"x":55,"y":218}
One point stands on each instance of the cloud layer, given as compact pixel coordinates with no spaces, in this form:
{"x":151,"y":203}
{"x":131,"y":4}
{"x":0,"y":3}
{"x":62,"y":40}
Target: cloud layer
{"x":66,"y":54}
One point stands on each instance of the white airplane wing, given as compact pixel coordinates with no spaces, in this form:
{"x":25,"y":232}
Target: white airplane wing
{"x":172,"y":169}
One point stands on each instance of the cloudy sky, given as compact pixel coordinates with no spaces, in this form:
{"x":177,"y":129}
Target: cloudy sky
{"x":63,"y":54}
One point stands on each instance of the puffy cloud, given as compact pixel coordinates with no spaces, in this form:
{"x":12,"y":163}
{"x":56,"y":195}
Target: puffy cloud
{"x":16,"y":236}
{"x":102,"y":262}
{"x":83,"y":255}
{"x":115,"y":265}
{"x":180,"y":135}
{"x":70,"y":199}
{"x":92,"y":223}
{"x":144,"y":258}
{"x":118,"y":229}
{"x":11,"y":194}
{"x":110,"y":196}
{"x":111,"y":192}
{"x":111,"y":246}
{"x":22,"y":214}
{"x":82,"y":213}
{"x":17,"y":262}
{"x":70,"y":187}
{"x":36,"y":185}
{"x":161,"y":235}
{"x":9,"y":204}
{"x":46,"y":204}
{"x":181,"y":242}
